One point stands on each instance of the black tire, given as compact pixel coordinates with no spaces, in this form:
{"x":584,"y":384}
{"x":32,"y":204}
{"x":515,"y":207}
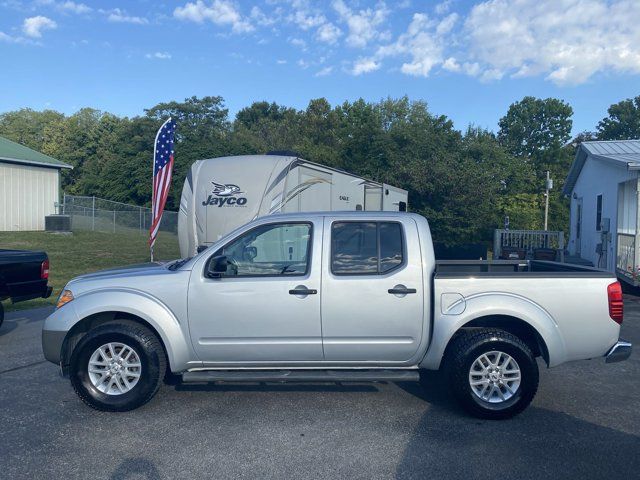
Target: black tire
{"x":466,"y":347}
{"x":147,"y":347}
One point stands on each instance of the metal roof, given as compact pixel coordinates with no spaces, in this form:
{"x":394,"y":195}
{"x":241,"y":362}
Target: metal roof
{"x":624,"y":153}
{"x":15,"y":153}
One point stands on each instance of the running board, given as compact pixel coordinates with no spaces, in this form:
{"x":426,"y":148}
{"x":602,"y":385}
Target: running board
{"x":207,"y":376}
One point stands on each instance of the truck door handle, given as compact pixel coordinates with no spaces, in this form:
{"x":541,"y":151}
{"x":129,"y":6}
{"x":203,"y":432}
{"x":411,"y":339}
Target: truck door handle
{"x":401,"y":290}
{"x":303,"y":291}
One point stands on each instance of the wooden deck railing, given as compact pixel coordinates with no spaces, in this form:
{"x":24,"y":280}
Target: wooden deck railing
{"x":528,"y":240}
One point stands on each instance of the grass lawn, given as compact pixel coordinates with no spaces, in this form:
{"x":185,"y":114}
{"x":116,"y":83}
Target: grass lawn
{"x":82,"y":252}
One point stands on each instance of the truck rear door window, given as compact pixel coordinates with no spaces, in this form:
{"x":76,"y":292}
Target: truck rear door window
{"x":365,"y":248}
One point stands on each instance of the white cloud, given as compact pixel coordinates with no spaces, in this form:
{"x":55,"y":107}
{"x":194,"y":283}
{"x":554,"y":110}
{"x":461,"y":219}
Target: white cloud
{"x":567,"y":41}
{"x":451,"y":65}
{"x":328,"y":33}
{"x":298,"y":42}
{"x":364,"y":65}
{"x":33,"y":26}
{"x":159,"y":55}
{"x":424,"y":42}
{"x":120,"y":16}
{"x":218,"y":12}
{"x":259,"y":17}
{"x":7,"y":38}
{"x":324,"y":72}
{"x":443,"y":7}
{"x":66,"y":6}
{"x":281,"y":62}
{"x":363,"y":25}
{"x":73,"y":7}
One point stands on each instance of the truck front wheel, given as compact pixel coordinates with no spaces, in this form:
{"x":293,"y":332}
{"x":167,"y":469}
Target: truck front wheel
{"x":117,"y":367}
{"x":492,"y":373}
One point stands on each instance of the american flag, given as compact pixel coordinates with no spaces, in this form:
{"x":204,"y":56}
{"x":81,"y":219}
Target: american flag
{"x":162,"y":169}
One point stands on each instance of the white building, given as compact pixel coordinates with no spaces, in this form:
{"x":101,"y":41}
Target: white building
{"x":29,"y":186}
{"x":603,"y":187}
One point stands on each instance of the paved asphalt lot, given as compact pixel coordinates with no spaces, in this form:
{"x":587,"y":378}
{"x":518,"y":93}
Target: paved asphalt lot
{"x":584,"y":423}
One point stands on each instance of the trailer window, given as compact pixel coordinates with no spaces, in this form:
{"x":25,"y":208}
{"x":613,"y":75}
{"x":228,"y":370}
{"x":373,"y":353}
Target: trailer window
{"x":365,"y":248}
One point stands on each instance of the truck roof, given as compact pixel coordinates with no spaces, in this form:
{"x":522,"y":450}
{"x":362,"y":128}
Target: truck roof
{"x":341,"y":214}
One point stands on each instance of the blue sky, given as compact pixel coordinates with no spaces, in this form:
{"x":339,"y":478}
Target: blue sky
{"x":467,"y":59}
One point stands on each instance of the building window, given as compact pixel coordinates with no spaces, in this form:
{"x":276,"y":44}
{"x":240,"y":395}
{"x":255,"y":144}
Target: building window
{"x":599,"y":213}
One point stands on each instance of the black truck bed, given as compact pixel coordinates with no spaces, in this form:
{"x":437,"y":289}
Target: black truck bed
{"x":515,"y":268}
{"x":21,"y":275}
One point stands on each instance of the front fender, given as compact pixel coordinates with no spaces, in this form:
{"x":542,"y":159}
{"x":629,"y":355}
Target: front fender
{"x":489,"y":304}
{"x":172,"y":332}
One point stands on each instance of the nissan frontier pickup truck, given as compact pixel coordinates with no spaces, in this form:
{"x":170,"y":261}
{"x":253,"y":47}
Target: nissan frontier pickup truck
{"x":332,"y":297}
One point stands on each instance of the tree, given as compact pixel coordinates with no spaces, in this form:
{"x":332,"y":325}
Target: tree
{"x":535,"y":130}
{"x":623,"y":122}
{"x":28,"y":127}
{"x":264,"y":127}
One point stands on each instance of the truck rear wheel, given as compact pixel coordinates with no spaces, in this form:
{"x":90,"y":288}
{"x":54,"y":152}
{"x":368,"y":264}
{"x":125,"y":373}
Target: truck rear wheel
{"x":117,"y":367}
{"x":492,"y":373}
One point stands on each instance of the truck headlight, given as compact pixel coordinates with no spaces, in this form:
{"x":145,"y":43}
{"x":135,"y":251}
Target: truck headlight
{"x":65,"y":297}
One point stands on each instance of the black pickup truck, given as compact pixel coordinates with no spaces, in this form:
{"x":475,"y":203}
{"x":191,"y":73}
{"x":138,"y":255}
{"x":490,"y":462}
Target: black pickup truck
{"x":23,"y":276}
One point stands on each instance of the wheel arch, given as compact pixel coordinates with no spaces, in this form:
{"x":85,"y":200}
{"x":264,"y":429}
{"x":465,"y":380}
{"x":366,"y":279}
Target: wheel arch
{"x":514,"y":325}
{"x":515,"y":314}
{"x":88,"y":323}
{"x":100,"y":307}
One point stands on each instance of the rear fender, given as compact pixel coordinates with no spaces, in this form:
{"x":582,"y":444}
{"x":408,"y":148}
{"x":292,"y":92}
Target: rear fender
{"x":489,"y":304}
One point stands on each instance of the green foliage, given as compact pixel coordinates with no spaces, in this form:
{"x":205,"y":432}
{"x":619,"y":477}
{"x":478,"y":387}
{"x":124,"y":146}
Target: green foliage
{"x":536,"y":131}
{"x":623,"y":122}
{"x":464,"y":182}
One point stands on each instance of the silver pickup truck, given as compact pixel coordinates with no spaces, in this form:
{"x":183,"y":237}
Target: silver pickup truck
{"x":354,"y":296}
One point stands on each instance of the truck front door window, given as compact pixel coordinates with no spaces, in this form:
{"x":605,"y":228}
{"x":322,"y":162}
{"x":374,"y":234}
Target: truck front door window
{"x":270,"y":250}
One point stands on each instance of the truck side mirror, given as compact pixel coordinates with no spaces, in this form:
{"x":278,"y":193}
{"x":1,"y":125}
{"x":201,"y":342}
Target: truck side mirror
{"x":217,"y":266}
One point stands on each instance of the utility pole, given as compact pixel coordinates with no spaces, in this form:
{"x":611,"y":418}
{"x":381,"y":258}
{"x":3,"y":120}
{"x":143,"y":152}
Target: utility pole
{"x":548,"y":185}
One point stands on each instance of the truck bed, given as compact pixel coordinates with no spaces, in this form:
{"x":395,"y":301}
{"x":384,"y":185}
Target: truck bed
{"x":517,"y":268}
{"x":20,"y":275}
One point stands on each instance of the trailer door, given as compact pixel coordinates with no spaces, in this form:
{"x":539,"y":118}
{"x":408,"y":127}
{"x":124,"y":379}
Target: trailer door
{"x":393,"y":199}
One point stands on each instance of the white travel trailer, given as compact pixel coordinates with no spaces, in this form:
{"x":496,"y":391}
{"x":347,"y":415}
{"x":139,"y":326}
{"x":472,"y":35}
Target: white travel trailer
{"x":221,"y":194}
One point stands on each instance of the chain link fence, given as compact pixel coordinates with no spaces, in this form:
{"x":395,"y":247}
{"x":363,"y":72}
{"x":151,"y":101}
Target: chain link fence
{"x":100,"y":215}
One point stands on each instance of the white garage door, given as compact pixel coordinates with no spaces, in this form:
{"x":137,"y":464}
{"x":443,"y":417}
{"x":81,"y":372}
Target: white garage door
{"x":27,"y":194}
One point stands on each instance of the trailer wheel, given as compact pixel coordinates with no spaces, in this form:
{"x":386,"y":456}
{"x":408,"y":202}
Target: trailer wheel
{"x":117,"y":367}
{"x":492,"y":373}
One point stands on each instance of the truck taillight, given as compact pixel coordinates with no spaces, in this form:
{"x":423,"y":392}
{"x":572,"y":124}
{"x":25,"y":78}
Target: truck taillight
{"x":44,"y":270}
{"x":616,"y":309}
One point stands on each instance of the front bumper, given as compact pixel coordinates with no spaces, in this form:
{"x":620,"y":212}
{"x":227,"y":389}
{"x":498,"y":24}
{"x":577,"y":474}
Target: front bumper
{"x":619,"y":352}
{"x":52,"y":344}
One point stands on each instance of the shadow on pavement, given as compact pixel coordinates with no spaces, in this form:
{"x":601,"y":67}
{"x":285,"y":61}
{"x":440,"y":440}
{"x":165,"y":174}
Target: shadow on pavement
{"x":566,"y":447}
{"x":273,"y":387}
{"x":137,"y":467}
{"x":447,"y":442}
{"x":23,"y":317}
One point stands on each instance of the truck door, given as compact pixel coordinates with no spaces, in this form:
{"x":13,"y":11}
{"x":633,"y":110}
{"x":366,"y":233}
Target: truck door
{"x":266,"y":306}
{"x":372,"y":290}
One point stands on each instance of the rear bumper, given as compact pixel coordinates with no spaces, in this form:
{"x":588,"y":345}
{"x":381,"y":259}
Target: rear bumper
{"x":619,"y":352}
